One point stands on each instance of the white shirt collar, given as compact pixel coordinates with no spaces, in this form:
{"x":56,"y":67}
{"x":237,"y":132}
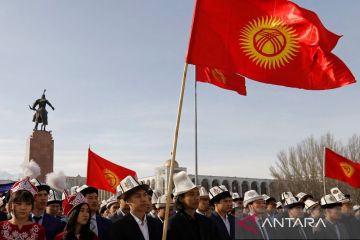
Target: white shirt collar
{"x":138,"y":220}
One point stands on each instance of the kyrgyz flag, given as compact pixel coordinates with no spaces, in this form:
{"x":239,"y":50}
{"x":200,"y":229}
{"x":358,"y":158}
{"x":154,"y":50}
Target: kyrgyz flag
{"x":217,"y":77}
{"x":104,"y":174}
{"x":343,"y":169}
{"x":271,"y":41}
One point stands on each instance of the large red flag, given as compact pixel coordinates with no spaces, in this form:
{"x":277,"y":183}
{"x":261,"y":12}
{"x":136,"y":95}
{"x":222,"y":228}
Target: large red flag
{"x":104,"y":174}
{"x":230,"y":81}
{"x":271,"y":41}
{"x":341,"y":168}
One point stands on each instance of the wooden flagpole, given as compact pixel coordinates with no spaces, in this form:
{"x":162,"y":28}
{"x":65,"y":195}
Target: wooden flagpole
{"x":170,"y":180}
{"x":324,"y":171}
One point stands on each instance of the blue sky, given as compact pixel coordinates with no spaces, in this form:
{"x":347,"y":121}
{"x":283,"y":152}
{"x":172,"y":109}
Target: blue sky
{"x":112,"y":69}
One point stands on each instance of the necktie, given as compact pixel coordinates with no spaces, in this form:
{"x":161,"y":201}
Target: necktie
{"x":93,"y":226}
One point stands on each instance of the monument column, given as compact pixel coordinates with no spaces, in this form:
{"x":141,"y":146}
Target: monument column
{"x":40,"y":148}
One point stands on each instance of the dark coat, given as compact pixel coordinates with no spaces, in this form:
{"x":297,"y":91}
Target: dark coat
{"x":3,"y":216}
{"x":329,"y":232}
{"x":183,"y":227}
{"x":221,"y":228}
{"x":248,"y":229}
{"x":352,"y":226}
{"x":103,"y":226}
{"x":117,"y":216}
{"x":52,"y":225}
{"x":127,"y":229}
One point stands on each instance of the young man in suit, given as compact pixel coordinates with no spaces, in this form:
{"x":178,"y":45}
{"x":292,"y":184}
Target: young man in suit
{"x":136,"y":224}
{"x":221,"y":199}
{"x":99,"y":225}
{"x":187,"y":224}
{"x":52,"y":225}
{"x":252,"y":225}
{"x":332,"y":228}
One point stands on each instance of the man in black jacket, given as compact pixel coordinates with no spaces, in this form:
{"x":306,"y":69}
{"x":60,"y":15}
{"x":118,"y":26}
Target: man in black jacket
{"x":347,"y":218}
{"x":332,"y":228}
{"x":186,"y":224}
{"x":136,"y":225}
{"x":221,"y":199}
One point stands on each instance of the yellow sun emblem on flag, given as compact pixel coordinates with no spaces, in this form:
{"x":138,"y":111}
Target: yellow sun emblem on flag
{"x":347,"y":169}
{"x":269,"y":42}
{"x":111,"y":178}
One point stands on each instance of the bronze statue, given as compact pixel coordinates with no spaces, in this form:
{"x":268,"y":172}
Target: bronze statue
{"x":40,"y":115}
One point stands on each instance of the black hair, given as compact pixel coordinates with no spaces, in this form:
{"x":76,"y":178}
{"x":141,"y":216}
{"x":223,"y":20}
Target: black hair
{"x":128,"y":194}
{"x":22,"y":196}
{"x":179,"y":206}
{"x":89,"y":190}
{"x":219,"y":197}
{"x":85,"y":232}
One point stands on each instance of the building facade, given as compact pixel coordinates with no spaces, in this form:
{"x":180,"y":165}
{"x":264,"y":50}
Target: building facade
{"x":235,"y":184}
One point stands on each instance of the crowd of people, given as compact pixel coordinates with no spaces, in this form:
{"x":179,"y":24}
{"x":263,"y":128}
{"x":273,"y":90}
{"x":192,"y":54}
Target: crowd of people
{"x":32,"y":210}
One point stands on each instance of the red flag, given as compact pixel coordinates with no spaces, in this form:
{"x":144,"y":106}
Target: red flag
{"x":341,"y":168}
{"x":230,"y":81}
{"x":104,"y":174}
{"x":271,"y":41}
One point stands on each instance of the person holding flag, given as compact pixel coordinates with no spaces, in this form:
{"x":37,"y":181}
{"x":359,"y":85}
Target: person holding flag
{"x":187,"y":224}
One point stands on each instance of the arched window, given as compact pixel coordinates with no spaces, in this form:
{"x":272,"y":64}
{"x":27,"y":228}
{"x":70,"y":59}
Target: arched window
{"x":205,"y":184}
{"x":244,"y":187}
{"x":254,"y":186}
{"x":215,"y":182}
{"x":235,"y":186}
{"x":263,"y":188}
{"x":226,"y":184}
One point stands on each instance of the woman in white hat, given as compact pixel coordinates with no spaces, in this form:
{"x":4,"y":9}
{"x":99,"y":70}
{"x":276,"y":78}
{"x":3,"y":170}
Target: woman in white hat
{"x":21,"y":203}
{"x":186,"y":224}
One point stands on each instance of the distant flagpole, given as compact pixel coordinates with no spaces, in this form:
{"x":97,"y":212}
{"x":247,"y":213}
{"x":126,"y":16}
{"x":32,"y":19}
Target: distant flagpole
{"x":196,"y":138}
{"x":170,"y":180}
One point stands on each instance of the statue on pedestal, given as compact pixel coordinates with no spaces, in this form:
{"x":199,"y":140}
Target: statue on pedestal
{"x":40,"y":115}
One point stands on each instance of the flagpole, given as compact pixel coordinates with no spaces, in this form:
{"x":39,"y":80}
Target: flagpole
{"x":196,"y":138}
{"x":170,"y":179}
{"x":324,"y":171}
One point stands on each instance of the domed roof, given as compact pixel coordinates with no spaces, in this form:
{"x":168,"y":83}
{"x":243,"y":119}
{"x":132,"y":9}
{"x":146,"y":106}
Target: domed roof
{"x":168,"y":163}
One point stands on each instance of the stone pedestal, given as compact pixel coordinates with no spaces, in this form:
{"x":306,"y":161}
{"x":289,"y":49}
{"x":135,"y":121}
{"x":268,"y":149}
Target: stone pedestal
{"x":40,"y":148}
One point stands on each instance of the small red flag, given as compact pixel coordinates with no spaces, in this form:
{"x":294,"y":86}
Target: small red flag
{"x":104,"y":174}
{"x":341,"y":168}
{"x":270,"y":41}
{"x":230,"y":81}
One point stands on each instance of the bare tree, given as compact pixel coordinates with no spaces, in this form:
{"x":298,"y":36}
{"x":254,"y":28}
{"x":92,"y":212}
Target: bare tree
{"x":300,"y":168}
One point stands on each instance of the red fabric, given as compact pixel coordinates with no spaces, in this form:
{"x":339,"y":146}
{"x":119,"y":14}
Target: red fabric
{"x":60,"y":236}
{"x":232,"y":35}
{"x":31,"y":231}
{"x":104,"y":174}
{"x":230,"y":81}
{"x":341,"y":168}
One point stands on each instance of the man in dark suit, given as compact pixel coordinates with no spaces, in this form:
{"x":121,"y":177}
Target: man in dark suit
{"x":253,"y":226}
{"x":136,"y":224}
{"x":52,"y":225}
{"x":332,"y":228}
{"x":293,"y":228}
{"x":221,"y":199}
{"x":99,"y":225}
